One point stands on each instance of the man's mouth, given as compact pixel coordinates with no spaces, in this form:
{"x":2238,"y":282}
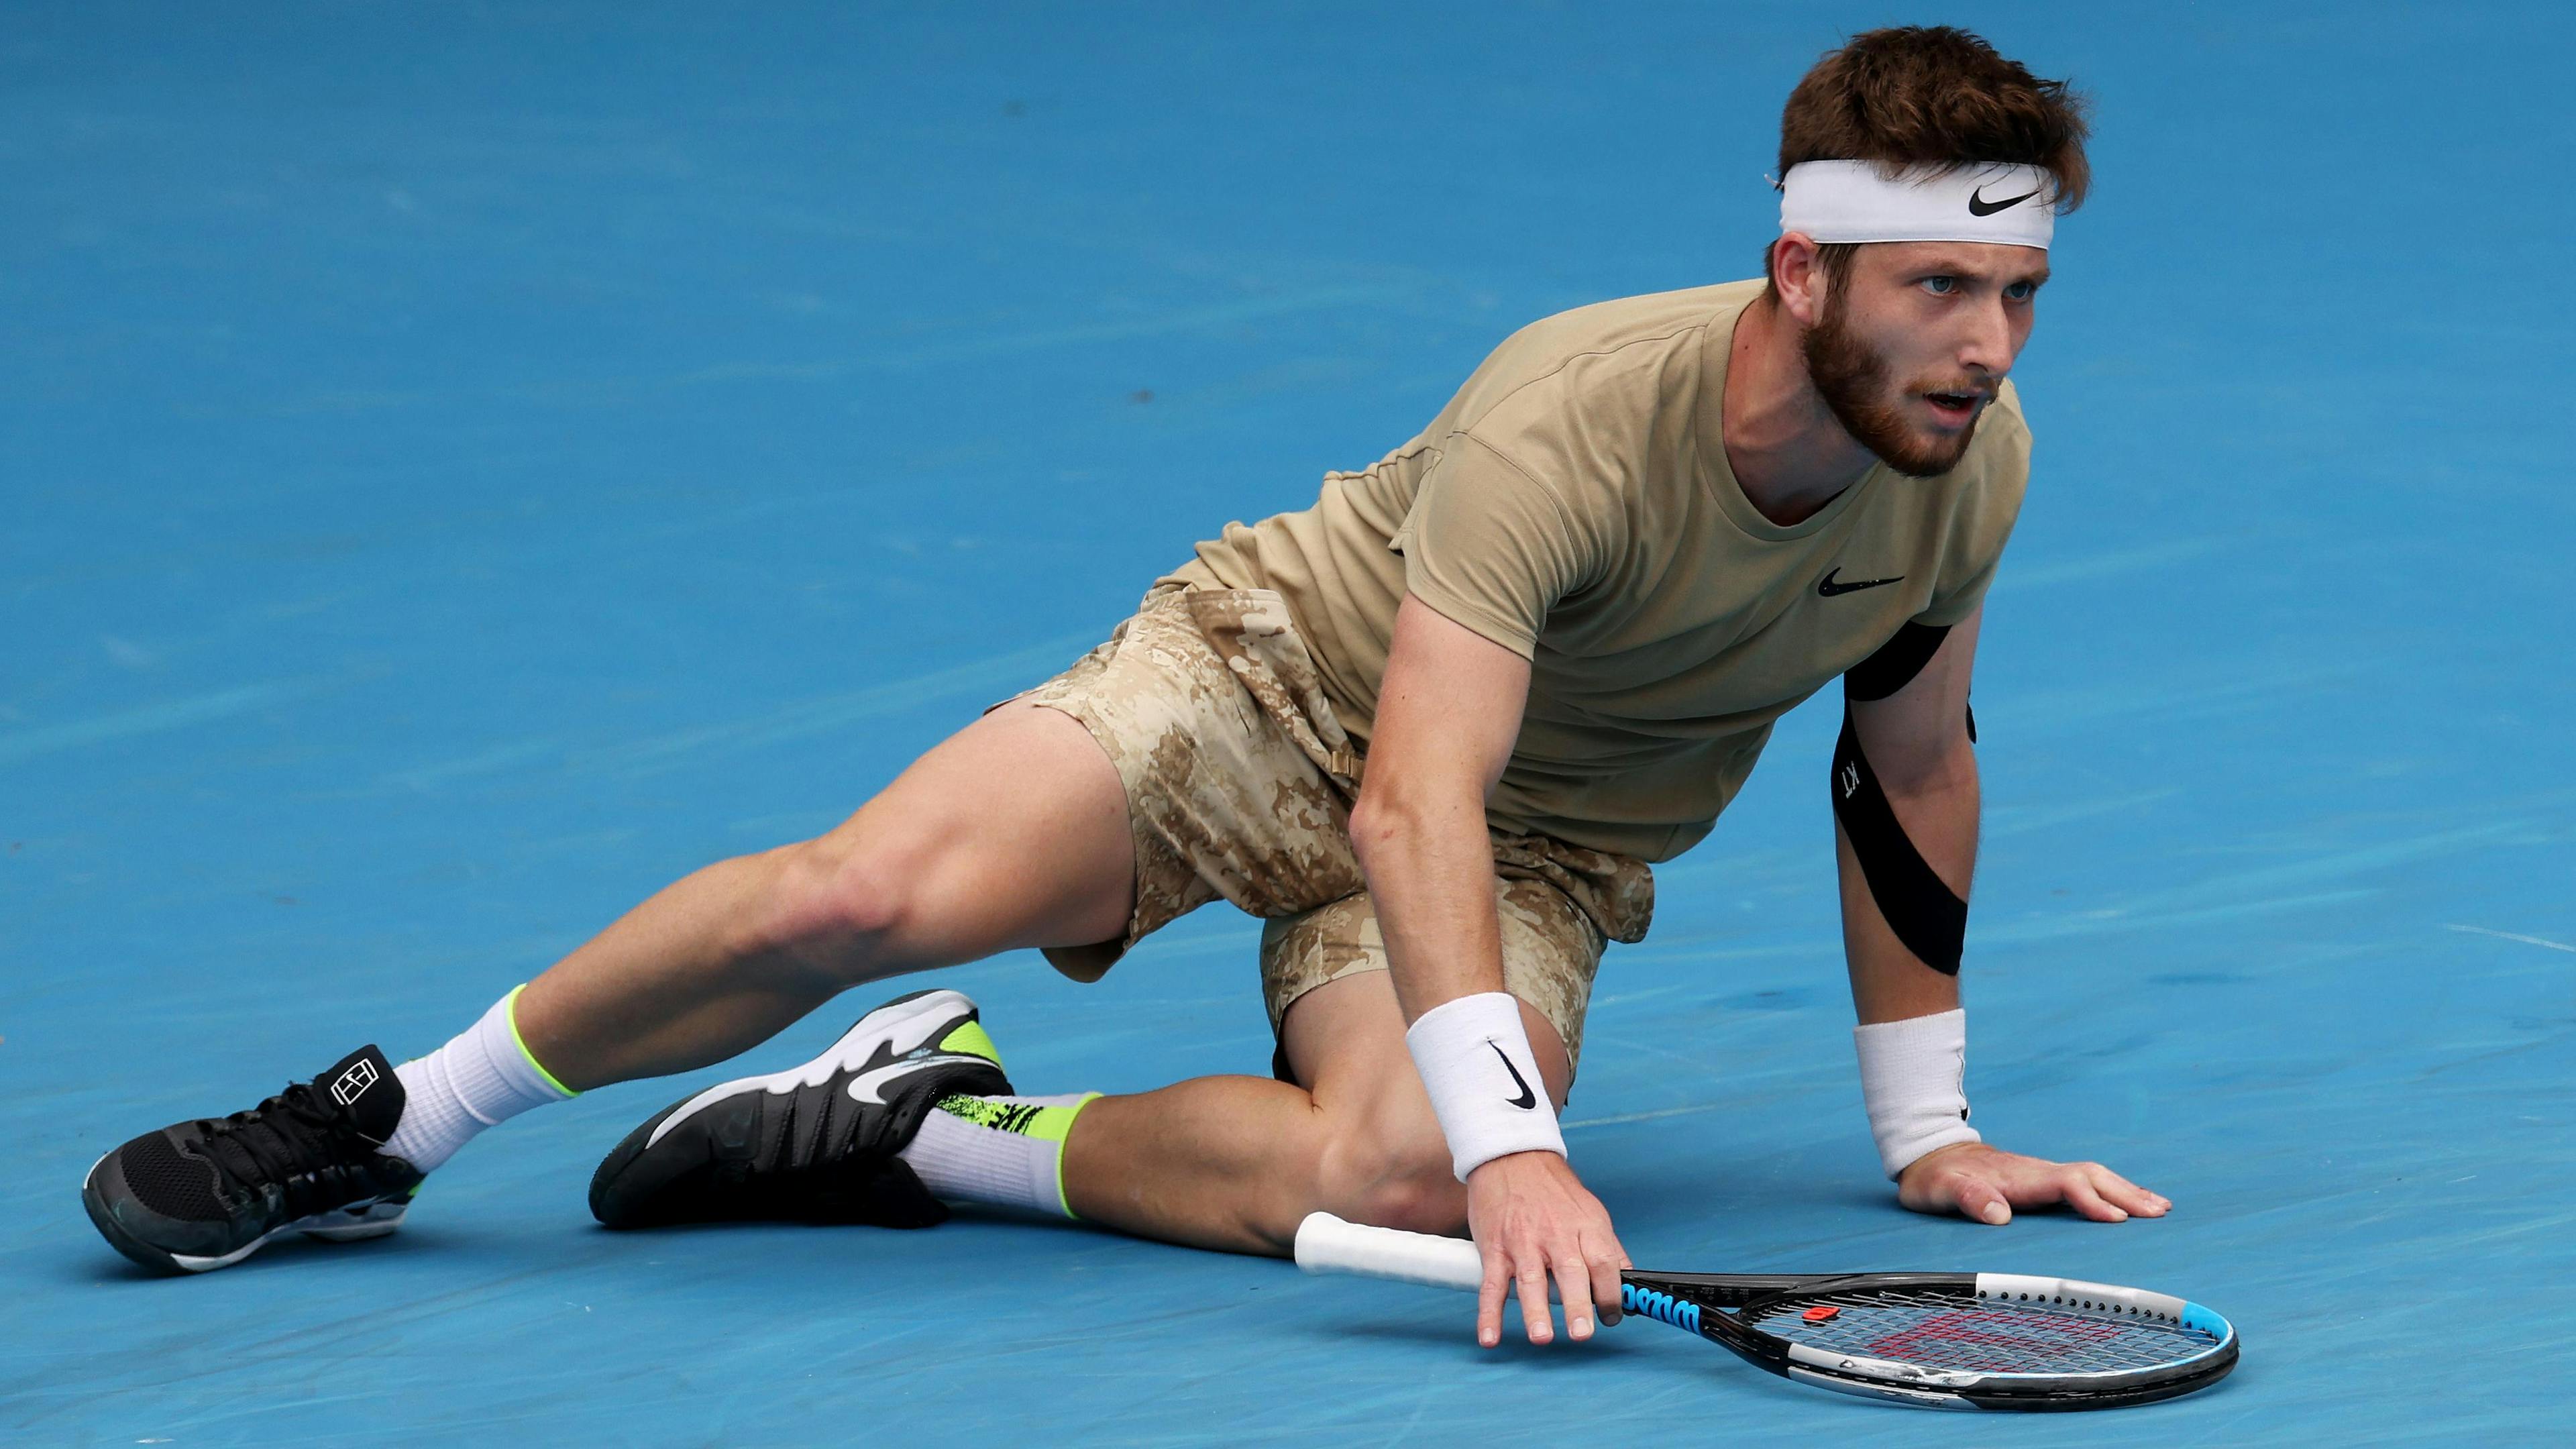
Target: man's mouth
{"x":1955,"y":408}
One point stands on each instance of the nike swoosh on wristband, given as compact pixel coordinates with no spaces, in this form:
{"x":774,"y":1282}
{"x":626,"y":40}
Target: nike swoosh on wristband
{"x":1979,"y":206}
{"x":1827,"y":588}
{"x":1527,"y":1099}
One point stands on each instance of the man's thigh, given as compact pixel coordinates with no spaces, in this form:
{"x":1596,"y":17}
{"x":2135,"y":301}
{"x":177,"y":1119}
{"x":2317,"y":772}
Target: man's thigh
{"x":1551,"y":950}
{"x":1238,"y":779}
{"x":1012,"y":832}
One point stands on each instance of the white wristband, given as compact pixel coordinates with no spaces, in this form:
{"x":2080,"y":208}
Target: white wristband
{"x":1475,"y":1060}
{"x":1913,"y":1077}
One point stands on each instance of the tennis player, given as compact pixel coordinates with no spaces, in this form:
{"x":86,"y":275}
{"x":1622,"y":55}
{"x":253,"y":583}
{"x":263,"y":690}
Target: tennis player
{"x":1433,"y":731}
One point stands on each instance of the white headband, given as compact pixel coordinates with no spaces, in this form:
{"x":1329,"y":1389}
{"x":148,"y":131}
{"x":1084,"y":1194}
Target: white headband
{"x":1850,"y":201}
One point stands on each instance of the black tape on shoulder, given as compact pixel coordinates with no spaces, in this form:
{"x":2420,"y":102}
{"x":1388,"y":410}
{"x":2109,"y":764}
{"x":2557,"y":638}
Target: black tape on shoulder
{"x":1919,"y":906}
{"x":1896,"y":663}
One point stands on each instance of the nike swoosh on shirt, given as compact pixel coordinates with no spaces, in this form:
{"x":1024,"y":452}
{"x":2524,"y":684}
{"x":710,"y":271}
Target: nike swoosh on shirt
{"x":1828,"y":588}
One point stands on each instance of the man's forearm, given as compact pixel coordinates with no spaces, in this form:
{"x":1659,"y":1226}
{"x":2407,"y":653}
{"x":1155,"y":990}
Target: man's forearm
{"x":1431,"y":877}
{"x":1430,"y":872}
{"x":1939,"y":816}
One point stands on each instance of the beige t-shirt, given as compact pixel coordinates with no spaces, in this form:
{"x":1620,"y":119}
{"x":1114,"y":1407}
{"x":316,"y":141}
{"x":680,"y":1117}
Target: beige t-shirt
{"x":1573,"y":503}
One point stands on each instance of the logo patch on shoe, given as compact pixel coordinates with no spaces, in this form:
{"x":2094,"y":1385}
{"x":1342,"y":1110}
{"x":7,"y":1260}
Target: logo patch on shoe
{"x":353,"y":1083}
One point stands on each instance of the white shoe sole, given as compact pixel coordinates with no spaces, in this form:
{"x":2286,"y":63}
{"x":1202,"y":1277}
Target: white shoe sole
{"x":340,"y":1225}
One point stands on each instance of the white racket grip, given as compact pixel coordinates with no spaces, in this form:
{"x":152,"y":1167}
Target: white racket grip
{"x":1326,"y":1244}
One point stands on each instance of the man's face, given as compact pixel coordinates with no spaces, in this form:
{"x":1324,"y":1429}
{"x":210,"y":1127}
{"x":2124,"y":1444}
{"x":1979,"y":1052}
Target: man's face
{"x":1913,"y":345}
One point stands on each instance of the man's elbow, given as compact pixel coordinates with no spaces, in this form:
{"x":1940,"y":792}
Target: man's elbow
{"x":1380,"y":824}
{"x":1946,"y":771}
{"x":1392,"y":818}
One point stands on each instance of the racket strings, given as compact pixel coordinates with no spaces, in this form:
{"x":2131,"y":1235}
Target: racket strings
{"x":1960,"y":1332}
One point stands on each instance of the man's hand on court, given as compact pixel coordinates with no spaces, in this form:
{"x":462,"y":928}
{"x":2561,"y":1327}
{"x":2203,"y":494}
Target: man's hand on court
{"x":1530,"y":1216}
{"x":1986,"y":1184}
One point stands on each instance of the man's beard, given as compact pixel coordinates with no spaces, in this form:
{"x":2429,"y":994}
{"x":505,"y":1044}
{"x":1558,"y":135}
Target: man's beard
{"x":1854,"y":383}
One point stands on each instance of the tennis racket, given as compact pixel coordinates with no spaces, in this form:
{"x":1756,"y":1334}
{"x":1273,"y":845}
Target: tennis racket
{"x":1935,"y":1340}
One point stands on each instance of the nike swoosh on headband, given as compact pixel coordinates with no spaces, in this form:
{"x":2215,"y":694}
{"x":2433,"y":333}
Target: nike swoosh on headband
{"x":1979,"y":206}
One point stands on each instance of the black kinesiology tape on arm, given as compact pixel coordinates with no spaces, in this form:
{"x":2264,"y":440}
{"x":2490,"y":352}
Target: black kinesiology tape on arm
{"x":1930,"y":920}
{"x":1895,"y":664}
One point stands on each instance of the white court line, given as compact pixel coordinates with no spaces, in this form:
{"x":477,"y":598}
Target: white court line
{"x":1643,"y":1116}
{"x":2511,"y":936}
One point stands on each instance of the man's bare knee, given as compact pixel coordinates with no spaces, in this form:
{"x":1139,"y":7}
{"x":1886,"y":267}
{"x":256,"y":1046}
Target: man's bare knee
{"x":1392,"y":1175}
{"x":838,"y":906}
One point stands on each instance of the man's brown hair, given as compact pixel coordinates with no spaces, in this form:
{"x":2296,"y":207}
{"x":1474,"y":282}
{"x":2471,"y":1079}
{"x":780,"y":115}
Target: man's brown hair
{"x":1931,"y":95}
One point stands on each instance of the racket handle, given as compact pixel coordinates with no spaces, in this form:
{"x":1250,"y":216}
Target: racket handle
{"x":1326,"y":1244}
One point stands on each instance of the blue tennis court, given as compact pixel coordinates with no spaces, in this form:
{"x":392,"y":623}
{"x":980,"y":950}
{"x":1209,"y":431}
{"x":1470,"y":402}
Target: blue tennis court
{"x":462,"y":467}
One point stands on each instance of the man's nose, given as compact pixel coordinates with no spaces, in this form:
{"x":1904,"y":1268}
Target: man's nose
{"x":1988,"y":347}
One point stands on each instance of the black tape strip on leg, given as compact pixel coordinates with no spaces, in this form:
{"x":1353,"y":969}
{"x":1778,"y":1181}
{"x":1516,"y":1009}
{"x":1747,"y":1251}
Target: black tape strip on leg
{"x":1919,"y":907}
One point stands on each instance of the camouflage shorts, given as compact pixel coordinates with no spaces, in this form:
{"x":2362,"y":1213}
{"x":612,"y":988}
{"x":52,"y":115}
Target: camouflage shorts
{"x":1239,"y":786}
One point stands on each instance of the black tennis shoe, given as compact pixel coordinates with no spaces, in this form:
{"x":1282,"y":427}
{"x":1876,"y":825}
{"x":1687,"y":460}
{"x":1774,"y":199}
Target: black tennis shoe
{"x":812,"y":1144}
{"x":206,"y":1194}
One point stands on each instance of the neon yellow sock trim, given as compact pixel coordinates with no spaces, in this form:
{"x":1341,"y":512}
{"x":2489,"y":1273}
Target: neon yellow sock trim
{"x":1056,"y":1131}
{"x":522,"y":1044}
{"x":1045,"y":1124}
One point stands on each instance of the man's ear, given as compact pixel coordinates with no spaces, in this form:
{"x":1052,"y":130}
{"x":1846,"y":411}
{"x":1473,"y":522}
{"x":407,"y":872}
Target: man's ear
{"x":1798,"y":275}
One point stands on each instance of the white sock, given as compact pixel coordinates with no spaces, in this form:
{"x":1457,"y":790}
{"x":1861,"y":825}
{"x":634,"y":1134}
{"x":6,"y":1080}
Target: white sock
{"x":1007,"y":1151}
{"x":481,"y":1079}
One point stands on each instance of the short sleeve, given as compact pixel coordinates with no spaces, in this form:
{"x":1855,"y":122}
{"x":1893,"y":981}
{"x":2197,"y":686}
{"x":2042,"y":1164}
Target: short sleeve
{"x":1982,"y":524}
{"x":1490,"y":547}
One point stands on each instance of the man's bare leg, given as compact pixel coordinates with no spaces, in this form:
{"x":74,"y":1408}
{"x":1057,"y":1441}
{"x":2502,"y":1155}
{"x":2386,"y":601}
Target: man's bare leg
{"x":1014,"y":833}
{"x":1235,"y":1163}
{"x":1011,"y":833}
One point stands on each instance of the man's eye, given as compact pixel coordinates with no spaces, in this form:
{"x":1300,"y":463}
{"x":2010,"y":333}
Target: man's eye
{"x":1940,"y":286}
{"x":2022,"y":291}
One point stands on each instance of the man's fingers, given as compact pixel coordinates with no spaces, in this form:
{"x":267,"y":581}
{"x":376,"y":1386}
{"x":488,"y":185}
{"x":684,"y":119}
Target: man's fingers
{"x":1489,"y":1301}
{"x":2081,"y":1197}
{"x":1541,"y":1224}
{"x":1980,"y":1199}
{"x":1607,"y":1264}
{"x":1986,"y":1186}
{"x":1531,"y":1274}
{"x":2117,"y":1189}
{"x":1573,"y":1289}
